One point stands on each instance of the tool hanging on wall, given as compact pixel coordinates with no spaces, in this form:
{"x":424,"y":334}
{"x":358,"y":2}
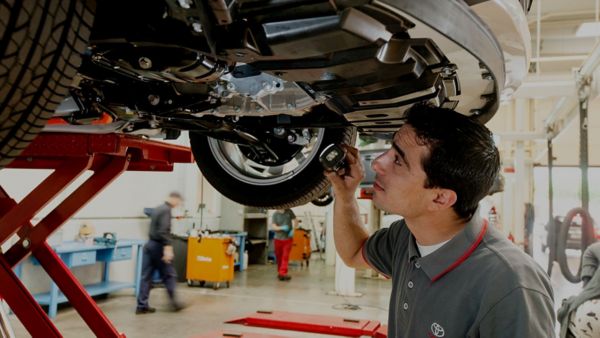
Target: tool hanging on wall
{"x":558,"y":231}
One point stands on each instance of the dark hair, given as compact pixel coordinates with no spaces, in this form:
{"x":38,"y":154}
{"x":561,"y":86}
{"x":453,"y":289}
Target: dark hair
{"x":176,"y":194}
{"x":462,"y":155}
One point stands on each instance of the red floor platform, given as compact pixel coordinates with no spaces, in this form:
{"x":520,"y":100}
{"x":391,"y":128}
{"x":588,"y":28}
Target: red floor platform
{"x":233,"y":334}
{"x":70,"y":155}
{"x":311,"y":323}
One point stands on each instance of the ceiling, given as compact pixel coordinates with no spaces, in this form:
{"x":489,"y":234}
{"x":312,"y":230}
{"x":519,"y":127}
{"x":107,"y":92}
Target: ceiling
{"x":551,"y":77}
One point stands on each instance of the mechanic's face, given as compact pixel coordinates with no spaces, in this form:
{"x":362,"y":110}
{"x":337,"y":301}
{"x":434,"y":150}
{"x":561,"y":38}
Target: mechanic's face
{"x":400,"y":179}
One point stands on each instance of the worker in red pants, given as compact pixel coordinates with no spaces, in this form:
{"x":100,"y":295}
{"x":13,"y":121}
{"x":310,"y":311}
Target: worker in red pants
{"x":284,"y":223}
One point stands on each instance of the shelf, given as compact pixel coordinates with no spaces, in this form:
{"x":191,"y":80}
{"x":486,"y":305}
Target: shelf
{"x":92,"y":290}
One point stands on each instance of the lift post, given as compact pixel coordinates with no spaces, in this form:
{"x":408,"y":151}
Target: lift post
{"x":69,"y":155}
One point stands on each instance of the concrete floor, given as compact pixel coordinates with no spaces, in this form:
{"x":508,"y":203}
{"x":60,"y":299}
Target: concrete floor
{"x":258,"y":289}
{"x":254,"y":289}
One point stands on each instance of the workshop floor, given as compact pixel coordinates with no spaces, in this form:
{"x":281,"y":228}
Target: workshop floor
{"x":258,"y":289}
{"x":252,"y":290}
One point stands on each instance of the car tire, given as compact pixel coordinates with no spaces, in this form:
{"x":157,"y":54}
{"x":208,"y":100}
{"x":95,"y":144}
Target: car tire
{"x":303,"y":187}
{"x":587,"y":238}
{"x":41,"y":42}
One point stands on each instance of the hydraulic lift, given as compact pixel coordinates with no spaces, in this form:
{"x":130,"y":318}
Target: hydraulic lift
{"x":70,"y":155}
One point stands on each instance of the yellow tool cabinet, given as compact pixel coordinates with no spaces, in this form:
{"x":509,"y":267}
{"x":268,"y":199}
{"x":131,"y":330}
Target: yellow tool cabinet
{"x":208,"y":261}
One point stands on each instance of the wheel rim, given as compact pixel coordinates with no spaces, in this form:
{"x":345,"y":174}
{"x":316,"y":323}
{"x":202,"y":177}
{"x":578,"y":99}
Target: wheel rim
{"x":229,"y":156}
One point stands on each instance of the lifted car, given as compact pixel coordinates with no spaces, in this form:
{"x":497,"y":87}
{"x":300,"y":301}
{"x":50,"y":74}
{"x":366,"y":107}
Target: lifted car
{"x":262,"y":86}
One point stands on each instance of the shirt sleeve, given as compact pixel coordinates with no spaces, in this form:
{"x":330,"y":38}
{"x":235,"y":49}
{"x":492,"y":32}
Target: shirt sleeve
{"x":379,"y":249}
{"x":164,"y":227}
{"x":521,"y":313}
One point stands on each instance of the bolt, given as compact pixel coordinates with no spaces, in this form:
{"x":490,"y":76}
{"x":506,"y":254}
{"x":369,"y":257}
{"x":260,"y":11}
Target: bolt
{"x":26,"y":243}
{"x":231,"y":86}
{"x":145,"y":63}
{"x":278,"y":131}
{"x":197,"y":27}
{"x":154,"y":99}
{"x":259,"y":109}
{"x":214,"y":111}
{"x":237,"y":109}
{"x":291,"y":138}
{"x":291,"y":106}
{"x":447,"y":71}
{"x":169,"y":101}
{"x":185,"y":4}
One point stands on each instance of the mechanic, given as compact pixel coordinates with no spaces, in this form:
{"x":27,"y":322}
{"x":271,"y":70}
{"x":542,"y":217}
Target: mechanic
{"x":158,"y":255}
{"x":452,"y":274}
{"x":579,"y":316}
{"x":284,"y":223}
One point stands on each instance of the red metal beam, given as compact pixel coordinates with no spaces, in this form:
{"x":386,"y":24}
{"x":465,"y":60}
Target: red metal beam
{"x":41,"y":196}
{"x":70,"y":154}
{"x":23,"y":305}
{"x":75,"y":292}
{"x":310,"y":323}
{"x":78,"y":199}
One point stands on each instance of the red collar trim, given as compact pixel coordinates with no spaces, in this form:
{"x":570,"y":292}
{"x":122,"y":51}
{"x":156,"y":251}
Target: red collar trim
{"x":466,"y":254}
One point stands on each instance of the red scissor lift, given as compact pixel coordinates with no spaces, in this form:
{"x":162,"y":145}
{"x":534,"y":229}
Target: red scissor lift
{"x":70,"y":155}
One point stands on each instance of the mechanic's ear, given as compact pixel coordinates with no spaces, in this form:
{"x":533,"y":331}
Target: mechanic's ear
{"x":443,"y":199}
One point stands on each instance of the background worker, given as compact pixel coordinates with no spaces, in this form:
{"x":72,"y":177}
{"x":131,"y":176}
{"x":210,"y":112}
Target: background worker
{"x":158,"y":255}
{"x":452,"y":274}
{"x":284,"y":223}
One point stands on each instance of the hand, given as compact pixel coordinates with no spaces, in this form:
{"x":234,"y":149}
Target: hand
{"x":168,"y":254}
{"x":346,"y":181}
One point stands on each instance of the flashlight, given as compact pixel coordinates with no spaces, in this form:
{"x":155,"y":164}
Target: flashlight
{"x":333,"y":158}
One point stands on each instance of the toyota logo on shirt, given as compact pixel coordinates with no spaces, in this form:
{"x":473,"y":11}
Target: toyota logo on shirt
{"x":437,"y":330}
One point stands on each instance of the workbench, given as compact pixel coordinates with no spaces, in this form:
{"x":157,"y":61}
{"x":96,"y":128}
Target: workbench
{"x":75,"y":254}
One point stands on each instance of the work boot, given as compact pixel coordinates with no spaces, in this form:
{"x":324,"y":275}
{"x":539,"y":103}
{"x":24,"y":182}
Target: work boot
{"x":284,"y":278}
{"x":177,"y":306}
{"x":144,"y":310}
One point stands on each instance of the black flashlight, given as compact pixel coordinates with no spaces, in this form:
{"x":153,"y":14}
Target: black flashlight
{"x":333,"y":158}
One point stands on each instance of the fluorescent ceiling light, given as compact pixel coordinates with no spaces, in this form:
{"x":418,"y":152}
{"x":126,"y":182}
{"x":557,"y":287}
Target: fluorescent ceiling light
{"x":588,"y":29}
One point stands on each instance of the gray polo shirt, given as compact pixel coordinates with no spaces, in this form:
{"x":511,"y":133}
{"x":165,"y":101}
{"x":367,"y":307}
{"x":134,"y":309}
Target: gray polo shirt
{"x":477,"y":285}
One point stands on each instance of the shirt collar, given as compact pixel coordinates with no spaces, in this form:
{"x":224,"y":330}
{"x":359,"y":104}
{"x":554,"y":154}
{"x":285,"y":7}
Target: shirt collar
{"x":452,"y":253}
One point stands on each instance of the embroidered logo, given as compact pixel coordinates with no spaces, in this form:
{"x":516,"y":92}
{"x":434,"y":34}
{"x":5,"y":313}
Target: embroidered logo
{"x":437,"y":330}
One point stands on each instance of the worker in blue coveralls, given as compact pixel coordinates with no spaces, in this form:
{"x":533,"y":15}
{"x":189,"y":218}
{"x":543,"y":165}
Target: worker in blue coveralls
{"x":284,"y":223}
{"x":158,"y":255}
{"x":452,"y":274}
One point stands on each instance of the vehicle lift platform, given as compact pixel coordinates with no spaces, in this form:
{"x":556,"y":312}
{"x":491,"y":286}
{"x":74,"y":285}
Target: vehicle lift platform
{"x":70,"y":155}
